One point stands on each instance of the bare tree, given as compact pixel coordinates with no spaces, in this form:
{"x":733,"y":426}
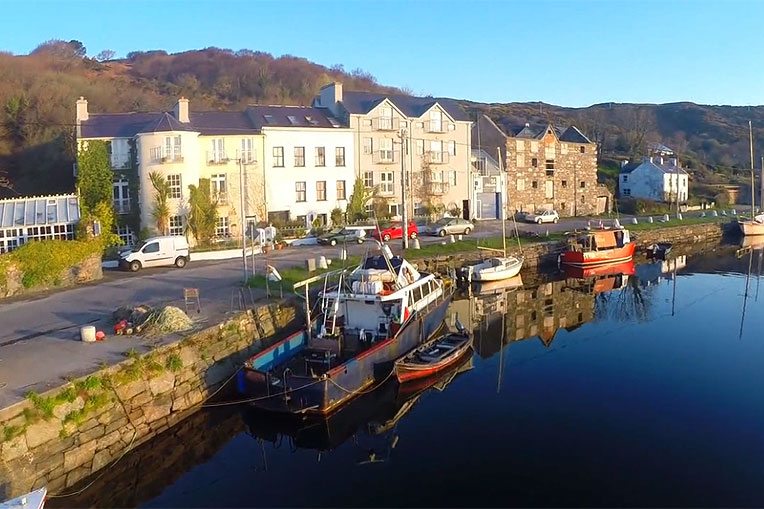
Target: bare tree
{"x":105,"y":55}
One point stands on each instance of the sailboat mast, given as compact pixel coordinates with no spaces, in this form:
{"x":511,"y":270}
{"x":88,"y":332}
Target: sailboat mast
{"x":503,"y":208}
{"x":753,"y":184}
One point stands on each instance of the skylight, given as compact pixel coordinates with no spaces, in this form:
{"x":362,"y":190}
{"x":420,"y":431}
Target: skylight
{"x":268,"y":119}
{"x":292,"y":119}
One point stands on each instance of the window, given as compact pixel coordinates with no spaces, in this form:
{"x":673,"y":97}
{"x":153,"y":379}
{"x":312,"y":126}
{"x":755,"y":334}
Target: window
{"x":386,"y":149}
{"x":452,"y":148}
{"x":625,"y":178}
{"x":583,"y":149}
{"x":626,"y":192}
{"x":119,"y":152}
{"x":299,"y":156}
{"x":176,"y":225}
{"x":121,"y":196}
{"x":368,"y":146}
{"x":125,"y":235}
{"x":520,"y":160}
{"x":393,"y":209}
{"x":583,"y":198}
{"x":153,"y":247}
{"x":549,"y":166}
{"x":248,"y":153}
{"x":386,"y":182}
{"x":436,"y":151}
{"x":217,"y":151}
{"x":385,"y":117}
{"x":521,"y":184}
{"x":278,"y":157}
{"x":535,"y":184}
{"x":320,"y":156}
{"x":172,"y":148}
{"x":519,"y":145}
{"x":452,"y":178}
{"x":549,"y":189}
{"x":535,"y":162}
{"x":292,"y":119}
{"x":436,"y":121}
{"x":420,"y":147}
{"x":221,"y":227}
{"x":583,"y":184}
{"x":534,"y":146}
{"x":321,"y":190}
{"x":368,"y":179}
{"x":219,"y":187}
{"x":339,"y":156}
{"x":176,"y":189}
{"x":565,"y":183}
{"x":341,"y":190}
{"x":299,"y":188}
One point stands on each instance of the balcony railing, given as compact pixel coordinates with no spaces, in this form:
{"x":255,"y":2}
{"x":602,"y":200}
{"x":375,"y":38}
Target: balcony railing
{"x":122,"y":206}
{"x":438,"y":188}
{"x":438,"y":157}
{"x":386,"y":188}
{"x":221,"y":197}
{"x":216,"y":157}
{"x":386,"y":156}
{"x":385,"y":124}
{"x":120,"y":163}
{"x":246,"y":156}
{"x":160,"y":156}
{"x":435,"y":127}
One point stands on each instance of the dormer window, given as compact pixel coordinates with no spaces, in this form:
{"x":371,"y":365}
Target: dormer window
{"x":292,"y":119}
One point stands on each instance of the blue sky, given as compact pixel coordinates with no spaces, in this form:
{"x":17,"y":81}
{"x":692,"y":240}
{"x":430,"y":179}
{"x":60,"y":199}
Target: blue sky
{"x":561,"y":52}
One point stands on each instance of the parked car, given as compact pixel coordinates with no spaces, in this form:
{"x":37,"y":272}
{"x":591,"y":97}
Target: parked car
{"x":542,"y":216}
{"x":450,"y":226}
{"x":395,"y":231}
{"x":156,"y":252}
{"x":339,"y":235}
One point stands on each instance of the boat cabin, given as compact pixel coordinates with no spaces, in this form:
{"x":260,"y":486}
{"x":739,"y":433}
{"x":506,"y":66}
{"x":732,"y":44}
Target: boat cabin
{"x":599,"y":240}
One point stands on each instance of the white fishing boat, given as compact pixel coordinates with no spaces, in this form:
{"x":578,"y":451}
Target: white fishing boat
{"x":32,"y":500}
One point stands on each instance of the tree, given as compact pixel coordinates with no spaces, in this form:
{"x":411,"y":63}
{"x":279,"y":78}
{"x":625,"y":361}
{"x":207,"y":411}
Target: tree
{"x":95,"y":183}
{"x":161,"y":211}
{"x":16,"y":108}
{"x":336,"y":216}
{"x":356,"y":208}
{"x":203,"y":212}
{"x":105,"y":55}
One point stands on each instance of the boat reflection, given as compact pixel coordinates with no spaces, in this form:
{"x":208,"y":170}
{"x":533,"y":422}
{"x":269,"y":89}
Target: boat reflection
{"x":369,"y":421}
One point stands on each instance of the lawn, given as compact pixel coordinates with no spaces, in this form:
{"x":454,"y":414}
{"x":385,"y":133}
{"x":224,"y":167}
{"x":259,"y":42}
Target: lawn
{"x":292,"y":275}
{"x":644,"y":225}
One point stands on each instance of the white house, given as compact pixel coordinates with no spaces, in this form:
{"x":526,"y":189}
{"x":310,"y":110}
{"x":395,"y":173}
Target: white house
{"x":488,"y":185}
{"x":308,"y":162}
{"x":656,"y":177}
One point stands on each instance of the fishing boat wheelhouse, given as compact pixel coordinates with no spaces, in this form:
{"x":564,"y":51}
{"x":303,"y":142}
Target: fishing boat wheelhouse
{"x":374,"y":315}
{"x":598,"y":247}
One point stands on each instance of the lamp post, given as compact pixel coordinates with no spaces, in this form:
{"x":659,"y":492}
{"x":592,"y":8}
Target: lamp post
{"x":243,"y":220}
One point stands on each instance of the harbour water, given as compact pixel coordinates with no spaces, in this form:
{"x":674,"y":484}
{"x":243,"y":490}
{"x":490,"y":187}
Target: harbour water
{"x":638,"y":389}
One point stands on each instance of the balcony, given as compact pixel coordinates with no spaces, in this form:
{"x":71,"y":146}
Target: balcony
{"x":122,"y":206}
{"x":246,"y":156}
{"x":160,"y":156}
{"x":216,"y":157}
{"x":438,"y":157}
{"x":120,"y":163}
{"x":438,"y":188}
{"x":386,"y":156}
{"x":385,"y":124}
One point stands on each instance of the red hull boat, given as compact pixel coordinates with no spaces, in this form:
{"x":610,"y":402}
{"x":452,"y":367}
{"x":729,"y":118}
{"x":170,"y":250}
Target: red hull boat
{"x":598,"y":248}
{"x":433,"y":357}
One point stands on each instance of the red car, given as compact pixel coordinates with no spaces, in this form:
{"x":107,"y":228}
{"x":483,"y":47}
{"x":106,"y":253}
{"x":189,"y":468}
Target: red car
{"x":395,"y":231}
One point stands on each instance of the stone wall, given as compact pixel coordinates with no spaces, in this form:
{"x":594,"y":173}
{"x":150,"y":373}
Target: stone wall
{"x":88,"y":270}
{"x":57,"y":438}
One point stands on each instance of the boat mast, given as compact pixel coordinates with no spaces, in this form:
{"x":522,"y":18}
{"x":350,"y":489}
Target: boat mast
{"x":503,"y":209}
{"x":753,"y":185}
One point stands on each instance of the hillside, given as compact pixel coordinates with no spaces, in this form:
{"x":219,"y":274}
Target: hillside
{"x":38,"y":92}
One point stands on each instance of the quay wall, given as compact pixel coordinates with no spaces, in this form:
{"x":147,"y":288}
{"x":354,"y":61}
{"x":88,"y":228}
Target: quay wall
{"x":58,"y":438}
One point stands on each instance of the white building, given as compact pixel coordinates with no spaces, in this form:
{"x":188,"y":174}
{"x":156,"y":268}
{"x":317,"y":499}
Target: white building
{"x":308,"y":162}
{"x":488,"y":185}
{"x":657,"y":177}
{"x":24,"y":219}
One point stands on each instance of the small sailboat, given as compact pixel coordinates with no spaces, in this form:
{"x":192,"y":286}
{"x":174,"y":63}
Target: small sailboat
{"x":32,"y":500}
{"x":501,"y":267}
{"x":434,"y":356}
{"x":755,"y":225}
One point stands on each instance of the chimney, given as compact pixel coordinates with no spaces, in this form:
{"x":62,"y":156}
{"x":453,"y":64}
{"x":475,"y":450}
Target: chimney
{"x":181,"y":110}
{"x":330,"y":96}
{"x":82,"y":110}
{"x":624,"y":162}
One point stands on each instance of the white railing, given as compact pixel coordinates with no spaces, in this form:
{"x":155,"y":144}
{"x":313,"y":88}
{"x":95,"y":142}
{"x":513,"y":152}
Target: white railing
{"x":122,"y":206}
{"x":385,"y":156}
{"x":438,"y":156}
{"x":246,"y":156}
{"x":160,"y":156}
{"x":216,"y":157}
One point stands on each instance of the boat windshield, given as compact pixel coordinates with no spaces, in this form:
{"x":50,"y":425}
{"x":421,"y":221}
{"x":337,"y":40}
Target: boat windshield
{"x":378,"y":262}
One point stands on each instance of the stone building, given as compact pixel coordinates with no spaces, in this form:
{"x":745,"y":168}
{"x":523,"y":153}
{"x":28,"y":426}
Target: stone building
{"x":548,"y":167}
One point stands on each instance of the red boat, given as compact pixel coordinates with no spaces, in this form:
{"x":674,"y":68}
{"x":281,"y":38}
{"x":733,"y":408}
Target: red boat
{"x":600,"y":270}
{"x":598,"y":247}
{"x":433,"y":356}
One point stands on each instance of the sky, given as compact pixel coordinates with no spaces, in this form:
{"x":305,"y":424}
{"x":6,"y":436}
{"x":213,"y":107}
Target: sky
{"x":570,"y":53}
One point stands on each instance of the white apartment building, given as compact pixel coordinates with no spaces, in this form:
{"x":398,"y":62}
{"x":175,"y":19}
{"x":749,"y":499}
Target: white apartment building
{"x":429,"y":137}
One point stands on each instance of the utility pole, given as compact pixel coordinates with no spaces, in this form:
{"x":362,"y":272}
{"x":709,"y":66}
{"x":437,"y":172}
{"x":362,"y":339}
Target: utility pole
{"x":243,"y":219}
{"x":404,"y":214}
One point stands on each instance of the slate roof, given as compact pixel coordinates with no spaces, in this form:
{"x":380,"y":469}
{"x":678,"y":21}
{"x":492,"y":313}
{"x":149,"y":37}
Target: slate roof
{"x":364,"y":102}
{"x":290,"y":116}
{"x":39,"y":210}
{"x":665,"y":167}
{"x":538,"y":131}
{"x":659,"y":147}
{"x":221,"y":122}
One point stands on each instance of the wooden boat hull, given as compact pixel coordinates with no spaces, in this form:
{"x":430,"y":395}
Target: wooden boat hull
{"x":406,"y":371}
{"x":601,"y":257}
{"x":310,"y":395}
{"x":751,"y":227}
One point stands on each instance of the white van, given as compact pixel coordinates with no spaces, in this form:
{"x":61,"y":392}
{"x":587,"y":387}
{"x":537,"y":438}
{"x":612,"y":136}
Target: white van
{"x":156,"y":252}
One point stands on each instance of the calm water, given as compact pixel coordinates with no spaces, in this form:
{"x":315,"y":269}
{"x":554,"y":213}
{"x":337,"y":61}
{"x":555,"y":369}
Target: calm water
{"x":640,"y":390}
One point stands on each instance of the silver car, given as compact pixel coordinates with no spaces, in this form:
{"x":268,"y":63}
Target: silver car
{"x":543,"y":216}
{"x":451,"y":226}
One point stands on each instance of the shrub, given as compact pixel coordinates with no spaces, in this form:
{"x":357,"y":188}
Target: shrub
{"x":337,"y":216}
{"x":43,"y":262}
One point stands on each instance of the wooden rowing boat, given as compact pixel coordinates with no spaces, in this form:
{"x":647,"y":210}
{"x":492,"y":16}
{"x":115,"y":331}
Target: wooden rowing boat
{"x":432,"y":357}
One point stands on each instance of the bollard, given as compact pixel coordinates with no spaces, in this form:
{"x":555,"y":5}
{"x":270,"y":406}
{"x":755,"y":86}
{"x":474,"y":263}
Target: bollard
{"x":452,"y":239}
{"x":310,"y":264}
{"x":459,"y":237}
{"x":443,"y":243}
{"x":714,"y":213}
{"x":322,"y":262}
{"x":634,"y":220}
{"x":724,"y":212}
{"x":734,"y":212}
{"x":547,"y":232}
{"x":702,"y":214}
{"x":650,"y":219}
{"x":665,"y":218}
{"x":414,"y":243}
{"x":679,"y":216}
{"x":343,"y":254}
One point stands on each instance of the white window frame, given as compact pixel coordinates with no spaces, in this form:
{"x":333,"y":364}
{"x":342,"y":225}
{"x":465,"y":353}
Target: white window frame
{"x":221,"y":227}
{"x":175,"y":181}
{"x":368,"y":145}
{"x":368,"y":179}
{"x":219,"y":187}
{"x":436,"y":121}
{"x":339,"y":157}
{"x":248,"y":152}
{"x":452,"y":147}
{"x":175,"y":226}
{"x":301,"y":187}
{"x":386,"y":149}
{"x":299,"y":160}
{"x":121,"y":195}
{"x":278,"y":157}
{"x":320,"y":188}
{"x":387,"y":182}
{"x":341,"y":190}
{"x":172,"y":148}
{"x":320,"y":156}
{"x":217,"y":150}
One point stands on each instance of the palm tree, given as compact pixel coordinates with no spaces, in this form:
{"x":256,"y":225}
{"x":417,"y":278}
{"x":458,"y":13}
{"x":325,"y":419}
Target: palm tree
{"x":161,"y":210}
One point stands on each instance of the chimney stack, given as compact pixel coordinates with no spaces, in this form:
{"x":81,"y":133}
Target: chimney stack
{"x":330,"y":96}
{"x":82,"y":110}
{"x":181,"y":110}
{"x":624,"y":162}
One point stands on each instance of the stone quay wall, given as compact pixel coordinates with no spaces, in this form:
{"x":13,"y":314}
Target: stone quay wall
{"x":12,"y":277}
{"x":58,"y":438}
